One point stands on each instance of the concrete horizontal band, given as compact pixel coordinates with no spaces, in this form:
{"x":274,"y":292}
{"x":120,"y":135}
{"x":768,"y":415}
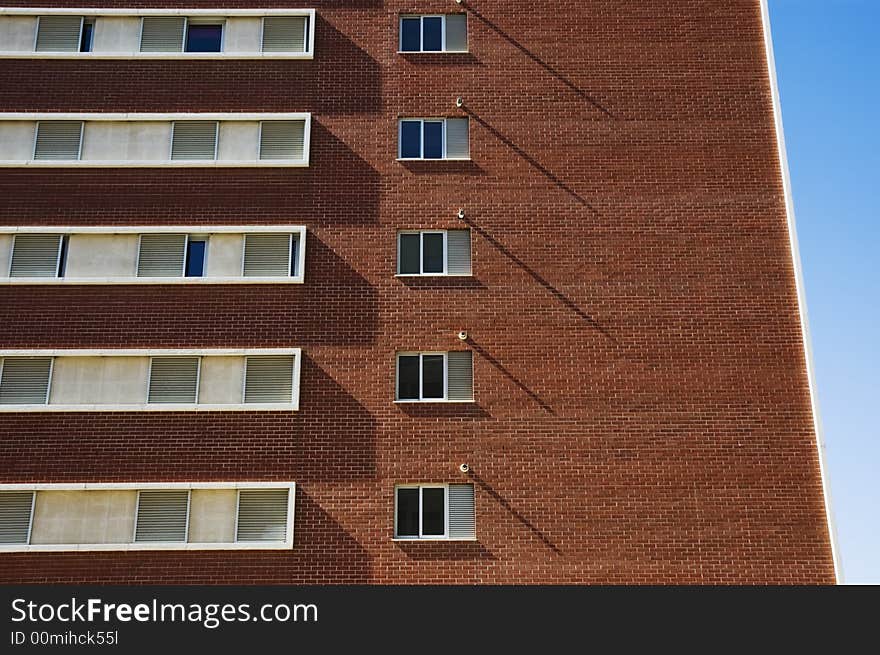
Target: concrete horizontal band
{"x":44,"y":281}
{"x":130,"y":486}
{"x":9,"y":54}
{"x":149,"y":229}
{"x":98,"y":11}
{"x":153,"y":116}
{"x":147,"y":352}
{"x":155,"y":407}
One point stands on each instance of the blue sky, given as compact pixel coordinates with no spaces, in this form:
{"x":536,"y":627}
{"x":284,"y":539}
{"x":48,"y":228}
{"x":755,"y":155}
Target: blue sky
{"x":827,"y":57}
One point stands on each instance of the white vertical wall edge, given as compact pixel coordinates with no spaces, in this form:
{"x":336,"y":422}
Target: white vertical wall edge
{"x":801,"y":292}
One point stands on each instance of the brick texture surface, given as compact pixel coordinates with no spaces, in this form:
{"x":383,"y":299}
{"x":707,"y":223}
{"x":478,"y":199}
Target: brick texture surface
{"x":642,"y":407}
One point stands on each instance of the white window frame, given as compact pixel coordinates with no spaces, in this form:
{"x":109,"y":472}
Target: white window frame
{"x":57,"y":259}
{"x":150,"y":379}
{"x":45,"y":403}
{"x":95,"y":13}
{"x":203,"y":20}
{"x":90,"y":117}
{"x":216,"y":143}
{"x":44,"y":12}
{"x":145,"y":406}
{"x":192,"y":231}
{"x":422,"y":537}
{"x":421,"y":49}
{"x":287,"y":544}
{"x":59,"y":162}
{"x":421,"y":398}
{"x":137,"y":507}
{"x":422,"y":121}
{"x":244,"y":383}
{"x":290,"y":252}
{"x":422,"y":272}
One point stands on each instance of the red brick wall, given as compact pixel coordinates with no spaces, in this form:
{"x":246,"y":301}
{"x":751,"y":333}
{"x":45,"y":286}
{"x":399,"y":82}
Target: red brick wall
{"x":642,"y":411}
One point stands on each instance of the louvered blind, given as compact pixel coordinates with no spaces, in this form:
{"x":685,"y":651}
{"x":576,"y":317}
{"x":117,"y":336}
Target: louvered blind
{"x":194,"y":140}
{"x":161,"y":255}
{"x":262,"y":515}
{"x":269,"y":379}
{"x":162,"y":516}
{"x":285,"y":34}
{"x":460,"y":369}
{"x":163,"y":34}
{"x":58,"y":140}
{"x":456,"y":33}
{"x":266,"y":255}
{"x":457,"y":145}
{"x":458,"y":257}
{"x":58,"y":33}
{"x":15,"y":516}
{"x":282,"y":139}
{"x":35,"y":255}
{"x":174,"y":380}
{"x":25,"y":380}
{"x":461,"y":511}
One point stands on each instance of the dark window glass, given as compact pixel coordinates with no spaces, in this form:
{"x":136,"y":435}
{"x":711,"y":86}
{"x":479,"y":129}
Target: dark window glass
{"x":432,"y":34}
{"x":411,"y":139}
{"x":195,"y":258}
{"x":62,"y":257}
{"x":410,"y":30}
{"x":432,"y":376}
{"x":433,"y":512}
{"x":433,"y":252}
{"x":408,"y":377}
{"x":204,"y":38}
{"x":294,"y":253}
{"x":85,"y":41}
{"x":409,"y":254}
{"x":433,"y":140}
{"x":407,"y":512}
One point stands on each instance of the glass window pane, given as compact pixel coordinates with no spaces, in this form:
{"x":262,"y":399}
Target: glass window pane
{"x":195,"y":258}
{"x":409,"y":254}
{"x":410,"y":29}
{"x":432,"y":34}
{"x":432,"y":376}
{"x":410,"y":139}
{"x":204,"y":38}
{"x":433,"y":140}
{"x":85,"y":42}
{"x":408,"y":377}
{"x":433,"y":512}
{"x":407,"y":512}
{"x":433,"y":252}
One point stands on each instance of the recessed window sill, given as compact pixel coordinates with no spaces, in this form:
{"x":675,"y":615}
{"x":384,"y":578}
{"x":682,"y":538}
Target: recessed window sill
{"x":156,"y":407}
{"x":432,"y":539}
{"x":433,"y":52}
{"x":14,"y":54}
{"x":416,"y":159}
{"x":417,"y":275}
{"x":433,"y":401}
{"x":148,"y":280}
{"x":152,"y":163}
{"x":37,"y":548}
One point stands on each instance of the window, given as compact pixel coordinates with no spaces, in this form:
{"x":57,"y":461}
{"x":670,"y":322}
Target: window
{"x":429,"y":511}
{"x":38,"y":255}
{"x":16,"y":509}
{"x":282,"y":140}
{"x":59,"y":34}
{"x":162,"y":34}
{"x":433,"y":33}
{"x":268,"y":379}
{"x":285,"y":34}
{"x":262,"y":515}
{"x":270,"y":255}
{"x":162,"y":516}
{"x":25,"y":380}
{"x":202,"y":37}
{"x":195,"y":257}
{"x":435,"y":138}
{"x":58,"y":140}
{"x":87,"y":36}
{"x":433,"y":377}
{"x":194,"y":140}
{"x":445,"y":252}
{"x":174,"y":380}
{"x":162,"y":255}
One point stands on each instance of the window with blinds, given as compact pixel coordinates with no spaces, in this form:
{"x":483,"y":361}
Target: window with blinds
{"x":446,"y":33}
{"x":462,"y":521}
{"x":282,"y":139}
{"x":25,"y":380}
{"x":269,"y":255}
{"x":269,"y":379}
{"x":162,"y":516}
{"x":37,"y":255}
{"x":194,"y":140}
{"x":262,"y":515}
{"x":174,"y":380}
{"x":433,"y":377}
{"x":16,"y":509}
{"x":434,"y":511}
{"x":285,"y":34}
{"x":434,"y":253}
{"x":162,"y":34}
{"x":460,"y":376}
{"x":161,"y":255}
{"x":58,"y":140}
{"x":59,"y":33}
{"x":435,"y":138}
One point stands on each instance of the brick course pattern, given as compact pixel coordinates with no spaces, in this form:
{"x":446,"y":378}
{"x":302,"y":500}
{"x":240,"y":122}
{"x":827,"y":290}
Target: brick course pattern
{"x":642,"y":407}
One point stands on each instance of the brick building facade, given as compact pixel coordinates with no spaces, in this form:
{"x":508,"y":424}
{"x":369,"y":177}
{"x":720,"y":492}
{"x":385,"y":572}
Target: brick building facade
{"x":642,"y":405}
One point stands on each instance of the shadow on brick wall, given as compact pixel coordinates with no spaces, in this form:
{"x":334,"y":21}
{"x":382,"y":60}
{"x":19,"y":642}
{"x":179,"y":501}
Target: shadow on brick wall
{"x":453,"y":551}
{"x":482,"y":352}
{"x":443,"y":410}
{"x":323,"y":553}
{"x":443,"y":167}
